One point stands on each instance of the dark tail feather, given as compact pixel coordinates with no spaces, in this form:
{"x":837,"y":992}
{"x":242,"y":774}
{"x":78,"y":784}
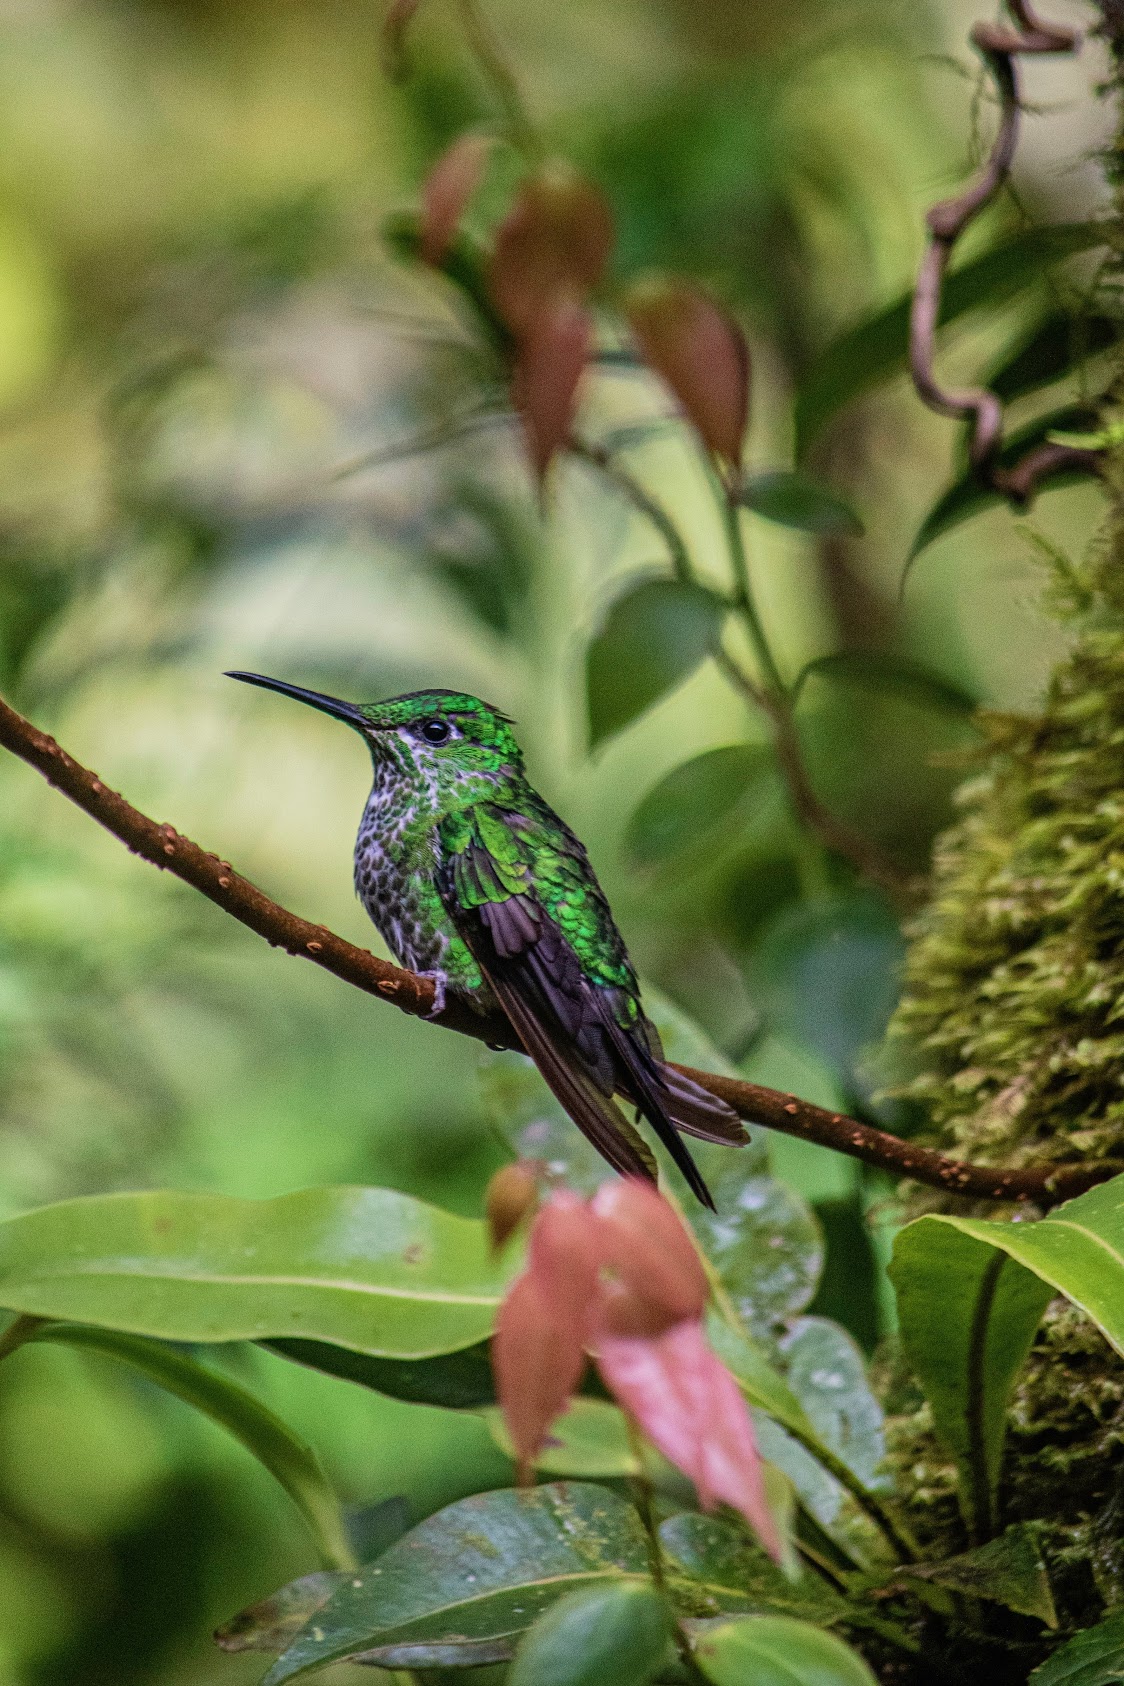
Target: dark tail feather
{"x":699,"y":1113}
{"x":647,"y":1092}
{"x":596,"y":1115}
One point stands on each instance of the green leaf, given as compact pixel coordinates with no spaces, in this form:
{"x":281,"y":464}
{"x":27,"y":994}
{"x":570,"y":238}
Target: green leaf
{"x":715,"y":1569}
{"x":616,"y":1633}
{"x":368,"y":1269}
{"x":967,"y":496}
{"x":270,"y":1624}
{"x":883,"y":671}
{"x":477,"y":1574}
{"x":778,"y":1651}
{"x":877,"y":348}
{"x":589,"y":1441}
{"x":971,"y":1295}
{"x":827,"y":1373}
{"x":653,"y":638}
{"x":696,"y":800}
{"x":792,"y":499}
{"x":458,"y":1381}
{"x":1007,"y":1571}
{"x":1057,"y":345}
{"x":761,"y":1384}
{"x":1094,"y":1657}
{"x":293,"y":1464}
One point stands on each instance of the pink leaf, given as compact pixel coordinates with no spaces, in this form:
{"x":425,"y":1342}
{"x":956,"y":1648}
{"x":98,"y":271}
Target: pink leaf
{"x":649,"y":1249}
{"x":537,"y":1363}
{"x":552,"y":354}
{"x":448,"y":188}
{"x":689,"y":1406}
{"x":702,"y":355}
{"x":555,"y":240}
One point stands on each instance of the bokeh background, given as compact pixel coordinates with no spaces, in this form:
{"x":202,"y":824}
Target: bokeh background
{"x":209,"y":363}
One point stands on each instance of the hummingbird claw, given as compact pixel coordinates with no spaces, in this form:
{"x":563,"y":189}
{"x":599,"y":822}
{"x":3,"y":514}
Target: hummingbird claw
{"x":439,"y":981}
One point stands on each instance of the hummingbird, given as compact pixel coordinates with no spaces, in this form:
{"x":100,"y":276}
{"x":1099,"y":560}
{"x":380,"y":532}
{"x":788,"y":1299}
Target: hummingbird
{"x":474,"y":882}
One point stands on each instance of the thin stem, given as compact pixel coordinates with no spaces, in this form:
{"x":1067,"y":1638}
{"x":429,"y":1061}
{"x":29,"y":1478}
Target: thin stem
{"x":604,"y":460}
{"x":744,"y":600}
{"x":644,"y":1493}
{"x":485,"y":44}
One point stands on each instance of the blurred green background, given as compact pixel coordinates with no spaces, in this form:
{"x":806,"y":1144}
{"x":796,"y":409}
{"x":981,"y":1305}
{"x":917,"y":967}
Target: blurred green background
{"x":200,"y":326}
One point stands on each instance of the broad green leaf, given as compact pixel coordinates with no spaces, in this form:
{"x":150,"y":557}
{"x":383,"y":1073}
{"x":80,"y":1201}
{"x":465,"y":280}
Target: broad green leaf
{"x":792,"y":499}
{"x":714,"y":1569}
{"x":478,"y":1573}
{"x":696,"y":800}
{"x":762,"y":1385}
{"x":1007,"y":1571}
{"x":968,"y":496}
{"x":1058,"y":344}
{"x":968,"y":1317}
{"x":778,"y":1651}
{"x":883,"y":671}
{"x":365,"y":1268}
{"x":589,"y":1441}
{"x":615,"y":1633}
{"x":1094,"y":1657}
{"x":874,"y":350}
{"x":293,"y":1464}
{"x":763,"y":1240}
{"x":827,"y":1373}
{"x":459,"y":1381}
{"x":653,"y":638}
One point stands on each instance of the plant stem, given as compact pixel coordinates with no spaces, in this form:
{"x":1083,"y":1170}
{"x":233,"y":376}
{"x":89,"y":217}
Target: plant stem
{"x":774,"y":686}
{"x":645,"y":1504}
{"x":485,"y":44}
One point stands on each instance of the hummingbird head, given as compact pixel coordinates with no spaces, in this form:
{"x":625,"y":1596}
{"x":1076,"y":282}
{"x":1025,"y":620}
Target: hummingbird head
{"x":436,"y":736}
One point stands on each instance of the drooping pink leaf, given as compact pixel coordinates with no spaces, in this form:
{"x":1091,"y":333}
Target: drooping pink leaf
{"x":552,"y":354}
{"x":702,"y":355}
{"x":691,"y":1409}
{"x":649,"y":1249}
{"x":537,"y":1363}
{"x":555,"y":241}
{"x":448,"y":188}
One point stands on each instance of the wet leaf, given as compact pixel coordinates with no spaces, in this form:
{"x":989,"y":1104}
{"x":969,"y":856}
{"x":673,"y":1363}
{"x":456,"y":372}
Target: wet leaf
{"x":448,"y":189}
{"x":778,"y":1651}
{"x":478,"y":1573}
{"x":877,"y":348}
{"x":1007,"y":1571}
{"x":827,"y":1373}
{"x":653,"y":638}
{"x":1094,"y":1657}
{"x":701,"y":353}
{"x":696,"y":800}
{"x":716,"y":1569}
{"x":554,"y":243}
{"x":764,"y":1242}
{"x":368,"y":1269}
{"x":270,"y":1624}
{"x":616,"y":1633}
{"x":292,"y":1463}
{"x":792,"y":499}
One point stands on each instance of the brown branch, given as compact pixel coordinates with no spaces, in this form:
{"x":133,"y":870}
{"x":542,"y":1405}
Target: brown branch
{"x":163,"y":846}
{"x":1000,"y":46}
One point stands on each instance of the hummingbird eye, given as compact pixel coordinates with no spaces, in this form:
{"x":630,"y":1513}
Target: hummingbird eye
{"x":435,"y":731}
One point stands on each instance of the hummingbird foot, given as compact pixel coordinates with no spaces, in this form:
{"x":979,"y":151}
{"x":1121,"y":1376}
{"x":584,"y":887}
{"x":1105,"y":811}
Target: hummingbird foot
{"x":439,"y":980}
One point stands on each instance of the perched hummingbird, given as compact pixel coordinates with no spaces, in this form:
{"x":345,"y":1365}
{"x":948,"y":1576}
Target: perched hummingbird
{"x":474,"y":881}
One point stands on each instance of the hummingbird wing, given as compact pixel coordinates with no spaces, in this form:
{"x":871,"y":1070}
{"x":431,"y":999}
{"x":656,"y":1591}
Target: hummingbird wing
{"x":519,"y":888}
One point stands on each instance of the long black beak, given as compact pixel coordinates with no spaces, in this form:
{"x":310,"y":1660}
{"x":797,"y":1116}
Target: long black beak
{"x":334,"y":706}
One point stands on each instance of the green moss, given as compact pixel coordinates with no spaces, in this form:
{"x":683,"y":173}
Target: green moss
{"x":1013,"y":1008}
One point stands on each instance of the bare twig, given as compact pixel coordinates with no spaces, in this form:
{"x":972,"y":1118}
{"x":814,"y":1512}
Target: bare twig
{"x":163,"y":846}
{"x":1000,"y":45}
